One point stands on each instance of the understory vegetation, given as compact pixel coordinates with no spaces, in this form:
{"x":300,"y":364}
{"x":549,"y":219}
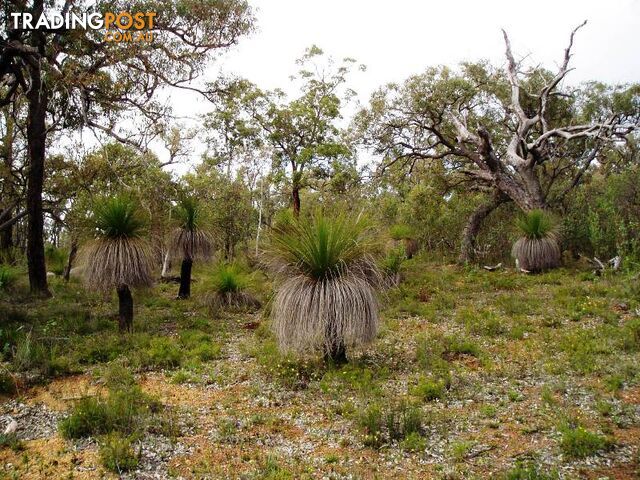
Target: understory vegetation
{"x":539,"y":379}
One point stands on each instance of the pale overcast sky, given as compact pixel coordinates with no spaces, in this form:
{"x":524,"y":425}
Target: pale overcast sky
{"x":398,"y":38}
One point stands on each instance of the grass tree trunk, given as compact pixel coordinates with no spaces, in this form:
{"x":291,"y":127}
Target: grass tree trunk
{"x":125,"y":315}
{"x":335,"y":353}
{"x":185,"y":278}
{"x":72,"y":256}
{"x":472,"y":228}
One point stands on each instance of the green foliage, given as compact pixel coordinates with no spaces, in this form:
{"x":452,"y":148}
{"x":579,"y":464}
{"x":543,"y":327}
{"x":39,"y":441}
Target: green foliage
{"x":124,"y":411}
{"x":8,"y":276}
{"x":117,"y":454}
{"x":10,"y":440}
{"x":535,"y":224}
{"x":401,"y":232}
{"x":577,"y":442}
{"x":229,"y":278}
{"x":602,"y":218}
{"x":320,"y":246}
{"x":118,"y":217}
{"x":529,"y":471}
{"x":398,"y":421}
{"x":414,"y":442}
{"x":163,"y":352}
{"x":430,"y":389}
{"x":56,"y":259}
{"x":188,"y":213}
{"x":392,"y":262}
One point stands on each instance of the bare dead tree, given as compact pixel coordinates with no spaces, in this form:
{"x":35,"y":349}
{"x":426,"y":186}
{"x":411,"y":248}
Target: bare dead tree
{"x":502,"y":144}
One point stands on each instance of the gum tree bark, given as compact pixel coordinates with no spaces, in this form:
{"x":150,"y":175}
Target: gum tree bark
{"x":37,"y":98}
{"x":472,"y":228}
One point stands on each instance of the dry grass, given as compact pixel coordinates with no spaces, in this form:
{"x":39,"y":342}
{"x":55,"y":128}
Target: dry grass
{"x":109,"y":262}
{"x":314,"y":315}
{"x":537,"y":254}
{"x":190,"y":244}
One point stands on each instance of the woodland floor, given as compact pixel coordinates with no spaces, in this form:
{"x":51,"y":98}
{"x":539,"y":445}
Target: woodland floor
{"x":474,"y":374}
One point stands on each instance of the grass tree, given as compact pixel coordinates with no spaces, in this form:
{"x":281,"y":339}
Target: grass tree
{"x":326,"y":300}
{"x":230,"y":290}
{"x":189,"y":241}
{"x":538,"y":248}
{"x":119,"y":256}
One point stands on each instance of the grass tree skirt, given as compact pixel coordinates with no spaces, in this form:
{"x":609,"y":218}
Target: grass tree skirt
{"x":325,"y":316}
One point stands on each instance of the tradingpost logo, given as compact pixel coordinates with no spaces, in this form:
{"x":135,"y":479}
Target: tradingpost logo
{"x":116,"y":26}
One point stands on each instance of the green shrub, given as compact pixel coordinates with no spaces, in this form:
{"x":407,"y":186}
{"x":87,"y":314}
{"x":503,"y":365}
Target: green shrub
{"x":230,"y":284}
{"x":396,"y":422}
{"x":117,"y":454}
{"x":535,"y":225}
{"x":529,"y":471}
{"x":430,"y":389}
{"x":392,"y":262}
{"x":8,"y":277}
{"x":10,"y":440}
{"x":577,"y":442}
{"x":463,"y":346}
{"x":123,"y":411}
{"x":414,"y":442}
{"x":401,"y":232}
{"x":370,"y":421}
{"x":538,"y":248}
{"x":56,"y":259}
{"x":229,"y":278}
{"x":163,"y":352}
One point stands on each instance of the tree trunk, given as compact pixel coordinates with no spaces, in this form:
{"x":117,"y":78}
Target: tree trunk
{"x":335,"y":351}
{"x":295,"y":195}
{"x":72,"y":256}
{"x":6,"y":240}
{"x":125,"y":316}
{"x":337,"y":355}
{"x":36,"y":143}
{"x":166,"y":265}
{"x":471,"y":230}
{"x":524,"y":189}
{"x":6,"y":235}
{"x":185,"y":278}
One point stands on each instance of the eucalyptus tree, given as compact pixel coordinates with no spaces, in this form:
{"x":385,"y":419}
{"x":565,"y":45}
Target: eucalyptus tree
{"x":73,"y":79}
{"x":517,"y":135}
{"x":303,"y":133}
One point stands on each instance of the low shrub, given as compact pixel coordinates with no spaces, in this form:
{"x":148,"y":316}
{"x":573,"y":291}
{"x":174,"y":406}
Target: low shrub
{"x":10,"y":440}
{"x":577,"y":442}
{"x":8,"y":277}
{"x":117,"y":454}
{"x":230,"y":285}
{"x":397,"y":422}
{"x":124,"y":411}
{"x":429,"y":389}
